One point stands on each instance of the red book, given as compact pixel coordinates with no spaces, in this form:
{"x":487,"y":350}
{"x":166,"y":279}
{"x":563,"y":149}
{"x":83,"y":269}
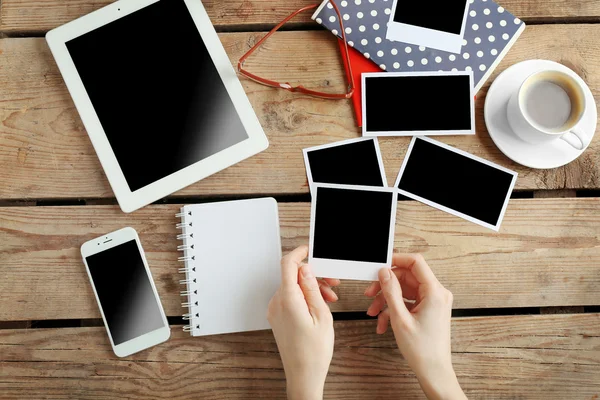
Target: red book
{"x":360,"y":64}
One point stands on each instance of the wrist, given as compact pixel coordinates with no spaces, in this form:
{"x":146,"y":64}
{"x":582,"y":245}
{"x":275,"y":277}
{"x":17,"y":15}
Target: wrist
{"x":304,"y":391}
{"x":441,"y":385}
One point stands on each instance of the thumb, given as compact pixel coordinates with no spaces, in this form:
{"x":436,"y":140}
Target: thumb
{"x":390,"y":287}
{"x":312,"y":292}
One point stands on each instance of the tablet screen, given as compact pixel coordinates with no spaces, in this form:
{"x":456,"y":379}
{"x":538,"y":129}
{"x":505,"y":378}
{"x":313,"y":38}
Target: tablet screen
{"x":156,"y":91}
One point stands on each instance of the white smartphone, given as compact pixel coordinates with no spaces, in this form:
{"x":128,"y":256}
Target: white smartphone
{"x":125,"y":291}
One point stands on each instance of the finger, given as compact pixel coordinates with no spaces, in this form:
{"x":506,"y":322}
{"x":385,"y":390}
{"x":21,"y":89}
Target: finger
{"x":290,"y":264}
{"x":373,"y":289}
{"x":407,"y":279}
{"x":377,"y":305}
{"x":411,"y":304}
{"x":383,"y":321}
{"x":332,"y":281}
{"x":312,"y":292}
{"x":327,"y":292}
{"x":416,"y":264}
{"x":408,"y":283}
{"x":390,"y":287}
{"x":409,"y":292}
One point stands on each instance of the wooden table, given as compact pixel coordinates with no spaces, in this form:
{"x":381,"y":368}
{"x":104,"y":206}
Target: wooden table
{"x":54,"y":196}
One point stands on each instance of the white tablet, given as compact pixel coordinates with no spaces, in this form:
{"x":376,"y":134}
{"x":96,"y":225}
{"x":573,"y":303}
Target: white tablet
{"x":157,"y":94}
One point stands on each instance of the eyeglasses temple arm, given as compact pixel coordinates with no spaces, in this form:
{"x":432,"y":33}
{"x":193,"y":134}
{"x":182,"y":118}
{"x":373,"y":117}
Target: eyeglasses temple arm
{"x":257,"y":45}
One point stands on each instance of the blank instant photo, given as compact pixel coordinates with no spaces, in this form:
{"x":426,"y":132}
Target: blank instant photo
{"x":351,"y":230}
{"x":438,"y":24}
{"x":455,"y":181}
{"x":418,"y":103}
{"x":349,"y":162}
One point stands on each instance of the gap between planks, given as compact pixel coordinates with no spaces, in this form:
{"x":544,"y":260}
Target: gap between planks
{"x":337,"y":316}
{"x":525,"y":357}
{"x":34,"y":17}
{"x":545,"y":255}
{"x":38,"y":115}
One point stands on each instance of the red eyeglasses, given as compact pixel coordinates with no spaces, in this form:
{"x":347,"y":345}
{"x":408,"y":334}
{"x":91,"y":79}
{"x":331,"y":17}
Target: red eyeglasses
{"x":300,"y":88}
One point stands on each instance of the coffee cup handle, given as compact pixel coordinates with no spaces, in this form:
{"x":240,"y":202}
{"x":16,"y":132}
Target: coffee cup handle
{"x":579,"y":143}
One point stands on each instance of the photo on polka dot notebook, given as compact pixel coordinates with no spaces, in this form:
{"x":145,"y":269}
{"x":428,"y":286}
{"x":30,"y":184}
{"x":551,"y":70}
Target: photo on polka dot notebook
{"x":490,"y":33}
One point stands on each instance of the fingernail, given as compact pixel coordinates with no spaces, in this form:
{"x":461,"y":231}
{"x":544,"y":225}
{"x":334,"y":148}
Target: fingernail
{"x":306,"y":272}
{"x":385,"y":274}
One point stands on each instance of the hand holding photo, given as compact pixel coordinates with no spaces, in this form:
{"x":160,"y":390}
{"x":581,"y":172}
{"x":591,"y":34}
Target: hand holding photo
{"x":439,"y":24}
{"x":349,"y":162}
{"x":455,"y":181}
{"x":351,"y":230}
{"x":418,"y":103}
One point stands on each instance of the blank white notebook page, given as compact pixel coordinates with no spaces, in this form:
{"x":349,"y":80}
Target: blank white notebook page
{"x":233,"y":252}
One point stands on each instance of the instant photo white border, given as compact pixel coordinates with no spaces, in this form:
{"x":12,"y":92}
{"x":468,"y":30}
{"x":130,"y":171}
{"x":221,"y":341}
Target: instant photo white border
{"x":344,"y":269}
{"x":148,"y":339}
{"x":128,"y":200}
{"x":444,"y":208}
{"x":338,"y":144}
{"x":420,"y":36}
{"x":374,"y":75}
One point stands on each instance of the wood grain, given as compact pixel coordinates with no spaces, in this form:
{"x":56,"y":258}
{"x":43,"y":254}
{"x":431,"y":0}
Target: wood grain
{"x":546,"y":254}
{"x":39,"y":16}
{"x":524,"y":357}
{"x":45,"y":152}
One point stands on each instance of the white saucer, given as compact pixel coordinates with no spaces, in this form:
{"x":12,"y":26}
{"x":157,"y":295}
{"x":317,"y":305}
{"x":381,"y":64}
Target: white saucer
{"x":544,"y":156}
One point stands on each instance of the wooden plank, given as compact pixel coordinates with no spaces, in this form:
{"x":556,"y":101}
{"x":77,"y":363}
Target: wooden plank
{"x":45,"y":152}
{"x":546,"y":254}
{"x":549,"y":194}
{"x":39,"y":16}
{"x":524,"y":357}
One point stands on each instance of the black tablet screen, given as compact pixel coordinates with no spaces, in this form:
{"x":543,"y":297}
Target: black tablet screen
{"x":156,"y":91}
{"x":452,"y":180}
{"x":418,"y":103}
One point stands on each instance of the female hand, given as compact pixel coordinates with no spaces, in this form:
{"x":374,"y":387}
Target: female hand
{"x":303,"y":326}
{"x":421,"y":329}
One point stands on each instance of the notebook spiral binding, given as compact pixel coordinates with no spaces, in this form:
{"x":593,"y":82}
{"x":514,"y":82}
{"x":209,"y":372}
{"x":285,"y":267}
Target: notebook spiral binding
{"x":189,"y":270}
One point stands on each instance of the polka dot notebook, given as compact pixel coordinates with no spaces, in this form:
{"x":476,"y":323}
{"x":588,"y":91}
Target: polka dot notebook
{"x":489,"y":34}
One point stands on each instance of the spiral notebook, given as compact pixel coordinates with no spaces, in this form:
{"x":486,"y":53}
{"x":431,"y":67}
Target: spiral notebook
{"x":232,"y":253}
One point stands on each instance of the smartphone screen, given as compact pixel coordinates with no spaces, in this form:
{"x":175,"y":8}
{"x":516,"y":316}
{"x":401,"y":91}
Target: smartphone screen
{"x":125,"y":292}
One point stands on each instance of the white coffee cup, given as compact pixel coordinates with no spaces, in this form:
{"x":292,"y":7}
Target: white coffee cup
{"x":548,"y":106}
